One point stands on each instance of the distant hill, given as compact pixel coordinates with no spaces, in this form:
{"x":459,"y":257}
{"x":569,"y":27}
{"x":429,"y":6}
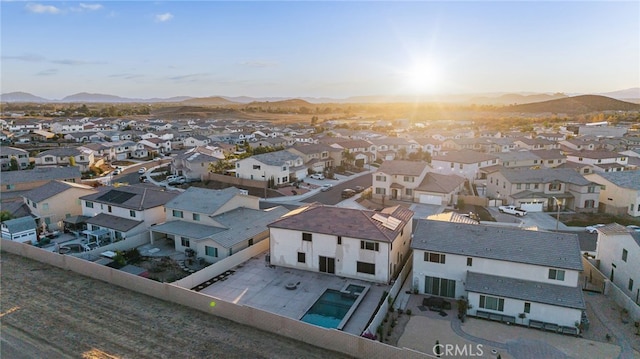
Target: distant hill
{"x":629,"y":95}
{"x":208,"y":101}
{"x":95,"y":98}
{"x":575,"y":105}
{"x":21,"y":97}
{"x":515,"y":99}
{"x":284,"y":103}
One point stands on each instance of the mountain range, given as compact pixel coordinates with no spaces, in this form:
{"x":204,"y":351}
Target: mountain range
{"x":628,"y":95}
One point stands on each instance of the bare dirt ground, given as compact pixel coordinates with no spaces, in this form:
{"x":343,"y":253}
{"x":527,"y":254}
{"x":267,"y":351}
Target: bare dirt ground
{"x":51,"y":313}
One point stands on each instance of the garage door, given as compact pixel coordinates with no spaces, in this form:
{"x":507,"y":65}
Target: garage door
{"x":430,"y":199}
{"x":531,"y":206}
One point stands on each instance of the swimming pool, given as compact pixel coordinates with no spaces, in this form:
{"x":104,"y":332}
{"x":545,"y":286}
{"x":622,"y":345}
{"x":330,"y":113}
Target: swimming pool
{"x":334,"y":307}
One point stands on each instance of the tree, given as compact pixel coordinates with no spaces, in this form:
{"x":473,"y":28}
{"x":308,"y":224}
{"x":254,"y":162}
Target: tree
{"x":347,"y":157}
{"x":13,"y":164}
{"x":5,"y":216}
{"x":72,"y":161}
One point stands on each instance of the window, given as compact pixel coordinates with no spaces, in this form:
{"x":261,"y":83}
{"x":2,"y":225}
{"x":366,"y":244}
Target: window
{"x":88,"y":204}
{"x":591,"y":189}
{"x":381,"y":191}
{"x":519,"y":186}
{"x":469,"y":262}
{"x":556,"y":274}
{"x":372,"y":246}
{"x":460,"y":166}
{"x":452,"y":164}
{"x":132,"y":214}
{"x":306,"y":237}
{"x":409,"y":179}
{"x":624,"y":255}
{"x":339,"y":240}
{"x":109,"y":209}
{"x":491,"y":303}
{"x":302,"y":257}
{"x":535,"y":162}
{"x":408,"y":191}
{"x":45,"y":207}
{"x":554,"y":186}
{"x":195,"y":216}
{"x":177,"y":214}
{"x":535,"y":186}
{"x":630,"y":284}
{"x":211,"y":251}
{"x":381,"y":178}
{"x":256,"y":167}
{"x":250,"y":242}
{"x":434,"y":257}
{"x":184,"y":241}
{"x":589,"y":203}
{"x":367,"y":268}
{"x":440,"y":286}
{"x":550,"y":161}
{"x":527,"y":307}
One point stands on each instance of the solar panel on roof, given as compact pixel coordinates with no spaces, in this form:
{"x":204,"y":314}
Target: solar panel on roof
{"x":115,"y":196}
{"x":388,"y":222}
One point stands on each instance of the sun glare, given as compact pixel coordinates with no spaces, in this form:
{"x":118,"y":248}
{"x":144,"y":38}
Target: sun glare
{"x":423,"y":77}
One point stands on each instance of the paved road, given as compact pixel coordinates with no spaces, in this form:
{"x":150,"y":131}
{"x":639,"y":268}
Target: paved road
{"x":334,"y":195}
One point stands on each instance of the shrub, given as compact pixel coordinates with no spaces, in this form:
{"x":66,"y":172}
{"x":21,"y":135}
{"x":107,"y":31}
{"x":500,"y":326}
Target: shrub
{"x":408,"y":311}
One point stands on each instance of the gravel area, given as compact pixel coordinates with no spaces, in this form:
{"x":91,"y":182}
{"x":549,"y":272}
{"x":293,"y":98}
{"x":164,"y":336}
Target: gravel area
{"x":60,"y":314}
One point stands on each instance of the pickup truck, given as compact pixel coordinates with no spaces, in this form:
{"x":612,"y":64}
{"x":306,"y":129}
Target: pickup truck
{"x":518,"y":212}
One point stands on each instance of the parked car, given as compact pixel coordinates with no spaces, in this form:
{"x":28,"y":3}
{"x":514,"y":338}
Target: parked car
{"x":142,"y":170}
{"x":518,"y":212}
{"x":358,"y":189}
{"x":318,"y":176}
{"x":348,"y":193}
{"x":178,"y":180}
{"x":633,"y":227}
{"x":592,"y":228}
{"x":326,"y":187}
{"x":116,"y":172}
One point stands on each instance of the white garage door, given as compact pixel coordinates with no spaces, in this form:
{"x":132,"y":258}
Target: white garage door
{"x":429,"y":199}
{"x":531,"y":206}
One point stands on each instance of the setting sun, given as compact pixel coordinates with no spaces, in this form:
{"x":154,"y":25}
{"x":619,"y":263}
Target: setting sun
{"x":423,"y":77}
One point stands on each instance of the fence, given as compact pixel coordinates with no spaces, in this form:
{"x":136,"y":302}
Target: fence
{"x":393,"y":293}
{"x":235,"y":181}
{"x":223,"y":265}
{"x":474,"y":200}
{"x":612,"y":291}
{"x":594,"y":280}
{"x":332,"y":339}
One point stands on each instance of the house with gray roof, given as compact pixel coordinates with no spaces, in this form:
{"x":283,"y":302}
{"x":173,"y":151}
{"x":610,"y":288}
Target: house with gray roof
{"x":9,"y":153}
{"x":619,"y":191}
{"x":66,"y":156}
{"x":21,"y":229}
{"x":16,"y":181}
{"x":536,"y":190}
{"x":465,"y":163}
{"x":318,"y":157}
{"x":53,"y":202}
{"x":504,"y":273}
{"x":124,"y":212}
{"x":215,"y":223}
{"x":397,"y":179}
{"x":280,"y":166}
{"x":346,"y":242}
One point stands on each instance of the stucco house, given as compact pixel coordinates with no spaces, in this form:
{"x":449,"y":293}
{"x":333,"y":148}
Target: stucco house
{"x":279,"y":166}
{"x":21,"y":156}
{"x":535,"y":189}
{"x":618,"y":255}
{"x":317,"y":157}
{"x":347,"y":242}
{"x":21,"y":229}
{"x":600,"y":161}
{"x":506,"y":274}
{"x":82,"y":157}
{"x":55,"y":201}
{"x":619,"y":191}
{"x":397,"y":179}
{"x":215,"y":223}
{"x":464,"y":163}
{"x":13,"y":181}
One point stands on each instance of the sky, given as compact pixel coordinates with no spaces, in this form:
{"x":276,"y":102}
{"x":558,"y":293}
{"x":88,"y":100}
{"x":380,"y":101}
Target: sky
{"x":146,"y":49}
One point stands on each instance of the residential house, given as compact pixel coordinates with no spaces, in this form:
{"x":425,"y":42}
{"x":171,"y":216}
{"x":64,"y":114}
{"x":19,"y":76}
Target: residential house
{"x":83,"y":158}
{"x":618,"y":255}
{"x":346,"y":242}
{"x":14,"y":181}
{"x":361,"y":151}
{"x":438,"y":189}
{"x":21,"y":229}
{"x":55,"y":201}
{"x":157,"y":145}
{"x":391,"y":148}
{"x":430,"y":145}
{"x":535,"y":144}
{"x":124,"y":212}
{"x":519,"y":159}
{"x":280,"y":166}
{"x":619,"y":191}
{"x":317,"y":157}
{"x":600,"y":161}
{"x":24,"y":126}
{"x":196,"y":161}
{"x":538,"y":189}
{"x":550,"y":158}
{"x":67,"y":127}
{"x":398,"y":179}
{"x":80,"y":137}
{"x":501,"y":271}
{"x":215,"y":223}
{"x":8,"y":153}
{"x":196,"y":140}
{"x":467,"y":164}
{"x":579,"y":144}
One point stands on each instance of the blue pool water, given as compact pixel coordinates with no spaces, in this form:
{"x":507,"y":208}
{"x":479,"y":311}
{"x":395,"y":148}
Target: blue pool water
{"x":329,"y":310}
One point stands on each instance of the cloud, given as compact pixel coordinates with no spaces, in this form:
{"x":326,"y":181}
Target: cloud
{"x":258,"y":64}
{"x":26,"y":58}
{"x":91,"y":7}
{"x":47,"y":72}
{"x":75,"y":62}
{"x":42,"y":9}
{"x":127,"y":76}
{"x":164,"y":17}
{"x":188,"y":78}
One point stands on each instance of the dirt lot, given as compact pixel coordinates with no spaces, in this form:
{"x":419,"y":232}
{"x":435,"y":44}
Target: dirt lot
{"x":52,"y":313}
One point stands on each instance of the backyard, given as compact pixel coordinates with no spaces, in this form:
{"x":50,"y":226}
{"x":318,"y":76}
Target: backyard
{"x":587,"y":219}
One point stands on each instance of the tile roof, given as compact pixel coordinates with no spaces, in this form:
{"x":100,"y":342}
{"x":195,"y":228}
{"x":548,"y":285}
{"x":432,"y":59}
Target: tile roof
{"x":112,"y":222}
{"x":40,"y":174}
{"x":132,"y":197}
{"x":348,"y":222}
{"x":275,"y":158}
{"x":625,"y":179}
{"x":195,"y":231}
{"x":549,"y":154}
{"x":439,"y":183}
{"x":556,"y":250}
{"x":596,"y":154}
{"x":544,"y":175}
{"x":202,"y":200}
{"x":21,"y":224}
{"x":51,"y":189}
{"x":529,"y":291}
{"x":516,"y":156}
{"x":400,"y":167}
{"x":464,"y":156}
